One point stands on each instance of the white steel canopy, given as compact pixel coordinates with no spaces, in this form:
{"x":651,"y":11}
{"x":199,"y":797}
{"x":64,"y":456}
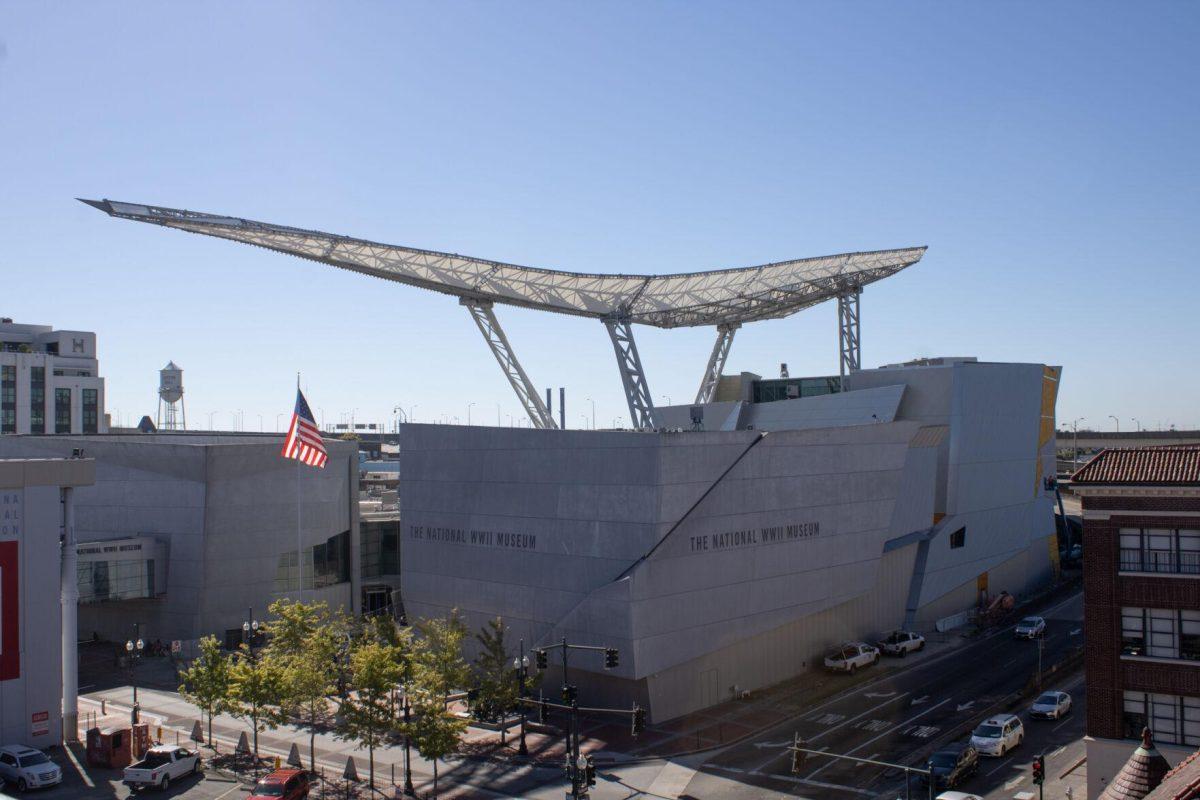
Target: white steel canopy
{"x":725,"y":296}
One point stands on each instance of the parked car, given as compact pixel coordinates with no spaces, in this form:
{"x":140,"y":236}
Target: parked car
{"x":282,"y":784}
{"x":957,"y":796}
{"x":28,"y":768}
{"x":997,"y":735}
{"x":850,"y":656}
{"x":1030,"y":628}
{"x":901,"y":643}
{"x":162,"y":764}
{"x":954,"y":765}
{"x":1051,"y":705}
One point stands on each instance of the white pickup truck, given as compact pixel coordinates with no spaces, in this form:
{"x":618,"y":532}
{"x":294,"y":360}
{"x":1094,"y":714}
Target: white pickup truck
{"x":162,"y":764}
{"x":850,"y":656}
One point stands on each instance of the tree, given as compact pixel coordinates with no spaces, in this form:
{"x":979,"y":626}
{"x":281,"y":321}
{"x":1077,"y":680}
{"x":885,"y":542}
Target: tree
{"x":496,"y":681}
{"x":437,"y":669}
{"x":292,"y":624}
{"x":368,"y":713}
{"x":309,"y":677}
{"x":206,"y":683}
{"x":257,"y":688}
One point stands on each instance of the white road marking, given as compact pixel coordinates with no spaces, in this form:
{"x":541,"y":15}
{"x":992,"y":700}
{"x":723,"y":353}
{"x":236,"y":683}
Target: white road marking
{"x":871,"y":757}
{"x":965,"y":706}
{"x":1064,"y":722}
{"x":873,"y":725}
{"x":999,"y":767}
{"x":878,"y":694}
{"x":828,"y":718}
{"x":761,"y":745}
{"x":922,"y":731}
{"x":873,"y":739}
{"x":1058,"y":751}
{"x":922,"y":699}
{"x":1008,"y":787}
{"x":863,"y":714}
{"x":1076,"y":632}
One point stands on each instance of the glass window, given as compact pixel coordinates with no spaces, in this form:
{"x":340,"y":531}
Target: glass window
{"x":91,"y":413}
{"x":1134,"y":714}
{"x":37,"y":399}
{"x":958,"y":538}
{"x":1162,"y":642}
{"x":62,"y":410}
{"x":1160,"y":550}
{"x":1133,"y":632}
{"x":8,"y":399}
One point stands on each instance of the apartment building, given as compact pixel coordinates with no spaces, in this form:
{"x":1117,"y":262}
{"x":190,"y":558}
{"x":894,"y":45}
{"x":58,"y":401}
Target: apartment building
{"x":1141,"y":532}
{"x":49,"y":380}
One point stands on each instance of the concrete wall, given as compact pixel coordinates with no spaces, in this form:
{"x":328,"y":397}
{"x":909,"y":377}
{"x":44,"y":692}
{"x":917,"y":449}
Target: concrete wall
{"x":226,"y":509}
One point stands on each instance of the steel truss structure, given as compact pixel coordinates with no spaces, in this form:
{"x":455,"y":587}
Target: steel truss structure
{"x":493,"y":334}
{"x":633,"y":377}
{"x":849,"y":339}
{"x":725,"y":298}
{"x":716,"y":361}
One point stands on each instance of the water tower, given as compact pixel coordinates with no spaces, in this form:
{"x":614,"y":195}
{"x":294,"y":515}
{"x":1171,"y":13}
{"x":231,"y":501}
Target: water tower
{"x":171,"y":413}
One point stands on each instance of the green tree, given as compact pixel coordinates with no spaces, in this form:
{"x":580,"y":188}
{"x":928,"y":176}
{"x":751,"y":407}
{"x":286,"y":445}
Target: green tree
{"x":257,"y":688}
{"x":496,"y":681}
{"x":438,"y":668}
{"x":368,"y":712}
{"x":206,"y":683}
{"x":291,"y":624}
{"x":309,"y":677}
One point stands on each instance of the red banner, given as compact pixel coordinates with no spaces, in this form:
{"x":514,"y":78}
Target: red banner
{"x":10,"y":613}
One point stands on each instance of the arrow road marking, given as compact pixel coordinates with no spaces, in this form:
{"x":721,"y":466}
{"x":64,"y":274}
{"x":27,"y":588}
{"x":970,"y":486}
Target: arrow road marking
{"x":1008,"y":787}
{"x":922,"y":699}
{"x":877,"y":737}
{"x":965,"y":706}
{"x":1076,"y":632}
{"x":878,"y":694}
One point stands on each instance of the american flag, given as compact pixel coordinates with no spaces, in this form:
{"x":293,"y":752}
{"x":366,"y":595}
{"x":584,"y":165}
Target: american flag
{"x":303,"y":441}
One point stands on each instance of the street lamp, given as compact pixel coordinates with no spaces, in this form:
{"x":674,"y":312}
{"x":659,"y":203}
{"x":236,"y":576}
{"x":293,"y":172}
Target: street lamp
{"x":249,"y":631}
{"x":134,"y":648}
{"x":593,"y":402}
{"x":1075,"y":444}
{"x":1137,"y":422}
{"x":469,"y":411}
{"x":260,"y":425}
{"x":667,"y":397}
{"x":277,"y":418}
{"x":521,"y":667}
{"x":210,"y":419}
{"x":408,"y":784}
{"x":1114,"y":419}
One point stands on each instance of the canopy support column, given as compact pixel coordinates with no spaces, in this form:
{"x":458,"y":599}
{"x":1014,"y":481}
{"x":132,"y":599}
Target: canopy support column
{"x":493,"y":334}
{"x":633,"y":377}
{"x":716,"y":362}
{"x":849,"y":341}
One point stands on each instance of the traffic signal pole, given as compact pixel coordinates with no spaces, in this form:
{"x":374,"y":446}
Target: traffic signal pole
{"x":800,"y":753}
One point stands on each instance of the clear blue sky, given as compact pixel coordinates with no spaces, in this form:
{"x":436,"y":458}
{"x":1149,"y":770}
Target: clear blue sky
{"x":1045,"y":152}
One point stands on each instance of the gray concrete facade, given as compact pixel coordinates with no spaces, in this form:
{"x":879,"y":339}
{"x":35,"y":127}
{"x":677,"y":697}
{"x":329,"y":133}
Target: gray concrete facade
{"x":723,"y":561}
{"x":225,"y":507}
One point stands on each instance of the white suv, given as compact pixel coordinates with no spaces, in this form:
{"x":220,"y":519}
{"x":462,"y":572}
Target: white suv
{"x":997,"y":735}
{"x":28,"y":768}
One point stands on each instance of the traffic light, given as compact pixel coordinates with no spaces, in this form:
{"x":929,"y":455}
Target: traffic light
{"x":1039,"y":771}
{"x":590,"y":772}
{"x":569,"y":693}
{"x":612,"y":658}
{"x":639,"y":720}
{"x":542,"y":661}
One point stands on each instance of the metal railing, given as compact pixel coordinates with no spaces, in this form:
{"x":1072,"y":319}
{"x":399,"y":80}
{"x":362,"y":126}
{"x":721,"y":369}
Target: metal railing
{"x":1169,"y":561}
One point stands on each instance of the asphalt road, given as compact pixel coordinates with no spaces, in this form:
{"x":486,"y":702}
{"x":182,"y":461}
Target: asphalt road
{"x":899,"y":718}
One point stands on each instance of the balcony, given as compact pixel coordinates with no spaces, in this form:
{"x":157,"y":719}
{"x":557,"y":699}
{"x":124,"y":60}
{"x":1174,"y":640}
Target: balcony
{"x":1159,"y":561}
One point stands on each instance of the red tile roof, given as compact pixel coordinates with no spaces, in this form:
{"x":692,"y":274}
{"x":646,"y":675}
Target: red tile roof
{"x":1181,"y":783}
{"x":1141,"y":775}
{"x":1177,"y":465}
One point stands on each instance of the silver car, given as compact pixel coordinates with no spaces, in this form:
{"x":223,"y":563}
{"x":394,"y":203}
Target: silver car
{"x":1030,"y":628}
{"x":27,"y":768}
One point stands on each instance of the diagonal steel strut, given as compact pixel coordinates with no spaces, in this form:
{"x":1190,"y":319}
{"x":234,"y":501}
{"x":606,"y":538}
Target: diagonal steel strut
{"x":633,"y":377}
{"x":493,"y":334}
{"x":716,"y":361}
{"x":849,"y":342}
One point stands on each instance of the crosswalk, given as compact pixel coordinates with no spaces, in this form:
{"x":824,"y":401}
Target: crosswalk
{"x":921,"y":731}
{"x":826,"y":719}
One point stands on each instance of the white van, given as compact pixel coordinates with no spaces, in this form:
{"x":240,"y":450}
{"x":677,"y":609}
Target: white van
{"x":997,"y":735}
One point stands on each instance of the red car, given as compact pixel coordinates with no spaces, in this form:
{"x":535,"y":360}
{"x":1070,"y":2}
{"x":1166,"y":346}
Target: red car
{"x":282,"y":784}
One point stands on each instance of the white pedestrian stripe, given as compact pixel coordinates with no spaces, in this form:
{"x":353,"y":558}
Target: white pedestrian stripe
{"x":827,"y":719}
{"x":921,"y":731}
{"x":873,"y":725}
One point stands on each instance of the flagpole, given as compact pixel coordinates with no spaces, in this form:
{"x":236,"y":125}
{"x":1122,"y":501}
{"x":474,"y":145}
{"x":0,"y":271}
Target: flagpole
{"x":299,"y":545}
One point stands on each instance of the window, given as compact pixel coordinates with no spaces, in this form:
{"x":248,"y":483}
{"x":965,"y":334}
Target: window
{"x":324,"y":565}
{"x":379,"y":542}
{"x":1160,"y":550}
{"x":8,"y":399}
{"x":62,"y":410}
{"x":958,"y":538}
{"x":91,"y":413}
{"x":37,"y":399}
{"x":100,"y":581}
{"x":1160,"y":633}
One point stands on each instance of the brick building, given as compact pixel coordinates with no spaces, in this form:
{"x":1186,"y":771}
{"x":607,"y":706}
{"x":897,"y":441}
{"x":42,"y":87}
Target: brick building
{"x":1141,"y":532}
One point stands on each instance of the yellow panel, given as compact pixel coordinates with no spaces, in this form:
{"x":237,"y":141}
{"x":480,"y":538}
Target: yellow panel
{"x":1050,"y":376}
